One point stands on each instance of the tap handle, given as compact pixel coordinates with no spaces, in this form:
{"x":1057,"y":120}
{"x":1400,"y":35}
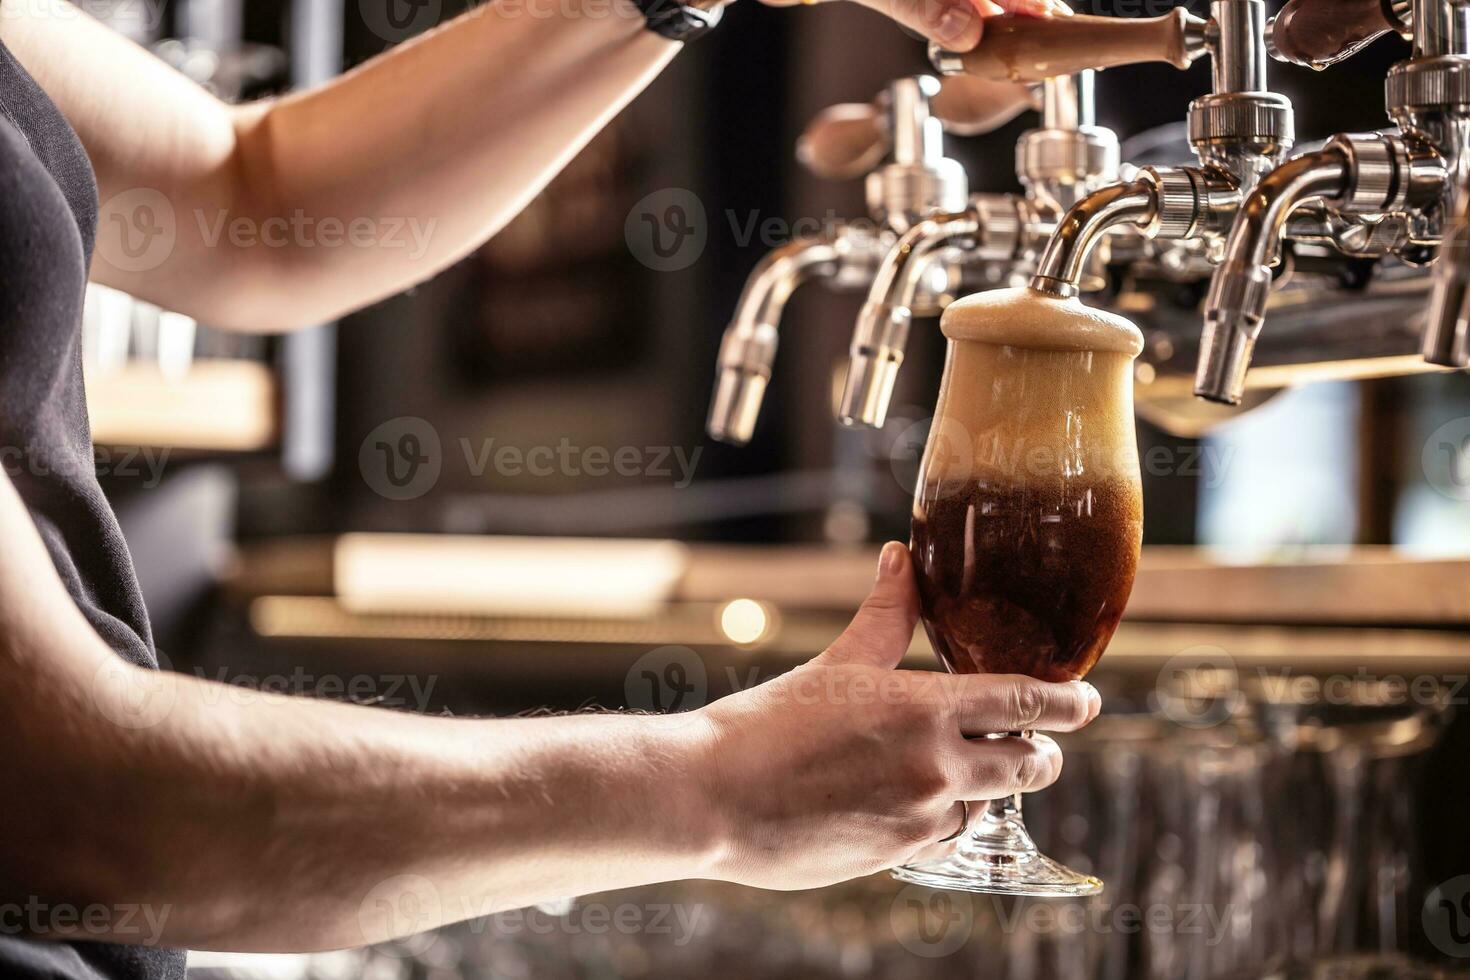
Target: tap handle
{"x":847,"y":140}
{"x":1318,"y":33}
{"x":1029,"y":49}
{"x":844,"y":141}
{"x":971,"y":106}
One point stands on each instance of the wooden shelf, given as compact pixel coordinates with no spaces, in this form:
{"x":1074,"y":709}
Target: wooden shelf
{"x":1330,"y":588}
{"x":218,"y":406}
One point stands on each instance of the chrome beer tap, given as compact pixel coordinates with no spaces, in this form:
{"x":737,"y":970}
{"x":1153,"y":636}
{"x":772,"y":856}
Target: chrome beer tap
{"x":913,"y":178}
{"x":1065,"y":159}
{"x":1374,"y":195}
{"x":1239,"y":133}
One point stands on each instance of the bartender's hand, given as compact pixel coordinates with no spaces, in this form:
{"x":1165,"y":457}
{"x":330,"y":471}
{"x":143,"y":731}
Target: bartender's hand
{"x":847,"y":766}
{"x":956,"y":24}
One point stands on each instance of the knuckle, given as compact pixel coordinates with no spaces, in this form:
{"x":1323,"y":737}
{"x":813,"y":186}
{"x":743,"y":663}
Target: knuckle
{"x":1027,"y":703}
{"x":928,"y":782}
{"x":918,"y":829}
{"x":1028,"y":768}
{"x":1040,"y":766}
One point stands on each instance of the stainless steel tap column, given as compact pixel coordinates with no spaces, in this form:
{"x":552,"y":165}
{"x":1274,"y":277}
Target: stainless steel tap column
{"x":1063,"y":160}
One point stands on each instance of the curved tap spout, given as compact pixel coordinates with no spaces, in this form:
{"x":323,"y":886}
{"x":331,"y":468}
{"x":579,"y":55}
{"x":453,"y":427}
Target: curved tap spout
{"x":1060,"y":269}
{"x":1236,"y":304}
{"x":1447,"y":329}
{"x":748,"y":349}
{"x":883,"y":325}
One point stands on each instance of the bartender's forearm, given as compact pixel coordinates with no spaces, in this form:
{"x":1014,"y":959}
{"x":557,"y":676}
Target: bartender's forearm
{"x":260,"y":822}
{"x":453,"y":133}
{"x":284,"y":824}
{"x":296,"y":209}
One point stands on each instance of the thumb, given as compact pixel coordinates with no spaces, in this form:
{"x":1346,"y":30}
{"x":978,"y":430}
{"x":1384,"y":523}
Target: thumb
{"x":880,"y":632}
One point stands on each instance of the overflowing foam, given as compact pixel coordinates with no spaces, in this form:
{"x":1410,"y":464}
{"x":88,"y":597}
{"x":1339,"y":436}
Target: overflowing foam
{"x":1037,"y":392}
{"x":1025,"y":318}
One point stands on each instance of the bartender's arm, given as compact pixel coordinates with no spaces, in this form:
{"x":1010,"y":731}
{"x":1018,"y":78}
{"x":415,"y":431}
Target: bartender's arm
{"x":436,"y":145}
{"x":285,"y":824}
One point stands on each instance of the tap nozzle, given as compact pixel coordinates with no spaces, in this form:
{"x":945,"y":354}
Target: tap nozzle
{"x":1236,"y":305}
{"x":1447,"y":330}
{"x":748,"y":349}
{"x":882,"y":329}
{"x":1059,"y":272}
{"x":1356,"y":175}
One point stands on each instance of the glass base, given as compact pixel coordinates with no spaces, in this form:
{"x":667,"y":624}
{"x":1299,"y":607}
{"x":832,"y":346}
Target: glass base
{"x":998,"y":857}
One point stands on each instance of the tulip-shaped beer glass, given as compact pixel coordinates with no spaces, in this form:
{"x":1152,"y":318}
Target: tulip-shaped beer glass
{"x":1026,"y":528}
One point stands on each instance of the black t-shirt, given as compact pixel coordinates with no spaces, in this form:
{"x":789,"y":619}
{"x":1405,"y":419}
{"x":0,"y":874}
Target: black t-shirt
{"x":48,"y":219}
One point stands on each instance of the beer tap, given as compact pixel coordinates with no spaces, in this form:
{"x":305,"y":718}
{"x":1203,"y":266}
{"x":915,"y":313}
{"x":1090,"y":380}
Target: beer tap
{"x":1373,"y":194}
{"x":905,"y":127}
{"x":1063,"y":160}
{"x":1239,"y":132}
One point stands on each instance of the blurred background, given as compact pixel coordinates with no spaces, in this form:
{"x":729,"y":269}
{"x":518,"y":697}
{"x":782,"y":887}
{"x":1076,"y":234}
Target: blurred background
{"x":494,"y":494}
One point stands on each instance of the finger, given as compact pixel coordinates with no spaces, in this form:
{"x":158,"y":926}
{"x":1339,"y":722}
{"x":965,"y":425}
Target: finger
{"x":955,"y":24}
{"x":992,"y":703}
{"x":880,"y":632}
{"x":993,"y":768}
{"x":1036,"y":8}
{"x":940,"y":850}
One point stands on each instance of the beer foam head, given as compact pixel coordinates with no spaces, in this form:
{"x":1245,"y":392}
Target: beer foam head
{"x":1036,"y":391}
{"x":1026,"y":318}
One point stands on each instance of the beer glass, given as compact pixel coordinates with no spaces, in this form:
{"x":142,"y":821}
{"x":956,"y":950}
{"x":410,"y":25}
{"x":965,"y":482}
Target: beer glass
{"x":1027,"y":523}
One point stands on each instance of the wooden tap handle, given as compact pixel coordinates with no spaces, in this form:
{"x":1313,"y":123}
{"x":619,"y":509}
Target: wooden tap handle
{"x":1028,"y":49}
{"x":1317,"y":33}
{"x":969,"y":106}
{"x":847,"y":140}
{"x":844,"y":141}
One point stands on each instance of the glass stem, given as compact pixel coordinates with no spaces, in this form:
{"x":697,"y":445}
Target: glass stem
{"x":1003,"y":825}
